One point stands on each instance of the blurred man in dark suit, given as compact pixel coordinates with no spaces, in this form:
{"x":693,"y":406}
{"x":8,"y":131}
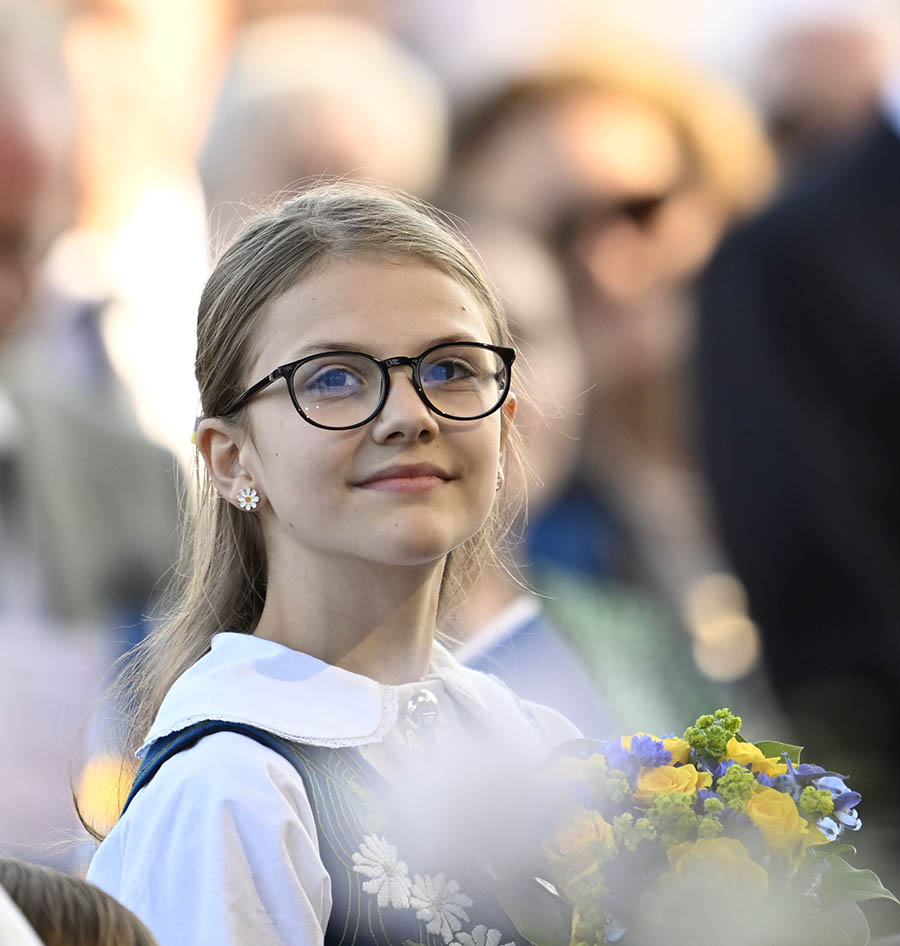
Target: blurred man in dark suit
{"x":798,"y":367}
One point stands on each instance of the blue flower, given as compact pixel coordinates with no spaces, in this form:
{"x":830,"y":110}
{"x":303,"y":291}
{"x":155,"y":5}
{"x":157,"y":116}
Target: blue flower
{"x":620,"y":758}
{"x":788,"y":784}
{"x":849,"y":819}
{"x":830,"y":828}
{"x":843,"y":796}
{"x":650,"y":752}
{"x":764,"y":779}
{"x":845,"y":801}
{"x":805,"y":769}
{"x":718,"y":771}
{"x":704,"y":793}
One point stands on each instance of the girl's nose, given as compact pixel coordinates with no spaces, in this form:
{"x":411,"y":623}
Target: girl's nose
{"x":405,"y":415}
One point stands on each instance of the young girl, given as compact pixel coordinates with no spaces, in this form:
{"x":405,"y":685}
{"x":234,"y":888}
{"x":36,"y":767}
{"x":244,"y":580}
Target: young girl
{"x":316,"y":767}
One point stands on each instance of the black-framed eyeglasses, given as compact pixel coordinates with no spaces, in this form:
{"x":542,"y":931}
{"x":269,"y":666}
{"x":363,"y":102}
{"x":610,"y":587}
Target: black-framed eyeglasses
{"x":340,"y":390}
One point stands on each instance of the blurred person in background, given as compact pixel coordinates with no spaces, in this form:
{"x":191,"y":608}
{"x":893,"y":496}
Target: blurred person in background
{"x":87,"y":507}
{"x":798,"y":373}
{"x":145,"y":74}
{"x":631,"y":166}
{"x":65,"y":910}
{"x":591,"y":649}
{"x":312,"y":95}
{"x":818,"y":81}
{"x":504,"y":627}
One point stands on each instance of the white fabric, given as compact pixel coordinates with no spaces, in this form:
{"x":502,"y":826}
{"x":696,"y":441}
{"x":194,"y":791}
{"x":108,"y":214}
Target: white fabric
{"x":220,"y":848}
{"x":15,"y":930}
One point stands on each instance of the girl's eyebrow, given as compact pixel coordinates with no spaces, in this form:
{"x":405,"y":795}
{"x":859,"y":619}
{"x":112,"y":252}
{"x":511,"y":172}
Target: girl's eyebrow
{"x":325,"y":345}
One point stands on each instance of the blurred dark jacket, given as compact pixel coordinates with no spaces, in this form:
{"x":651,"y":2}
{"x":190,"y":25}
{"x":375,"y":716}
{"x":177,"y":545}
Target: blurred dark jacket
{"x":798,"y":372}
{"x":798,"y":367}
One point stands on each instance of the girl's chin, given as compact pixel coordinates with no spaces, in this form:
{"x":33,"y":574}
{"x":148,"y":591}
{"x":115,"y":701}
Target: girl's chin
{"x":416,"y":550}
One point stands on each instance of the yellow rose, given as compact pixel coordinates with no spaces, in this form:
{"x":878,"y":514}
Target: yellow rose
{"x":745,"y":753}
{"x":577,"y":842}
{"x":668,"y":779}
{"x":725,"y":859}
{"x":776,"y":815}
{"x":681,"y":750}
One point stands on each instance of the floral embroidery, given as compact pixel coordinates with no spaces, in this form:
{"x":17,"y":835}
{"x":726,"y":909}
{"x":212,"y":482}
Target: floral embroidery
{"x":440,"y":904}
{"x":480,"y":936}
{"x":389,"y":880}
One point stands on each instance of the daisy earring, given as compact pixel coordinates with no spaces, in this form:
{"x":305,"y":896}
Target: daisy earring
{"x":248,"y":498}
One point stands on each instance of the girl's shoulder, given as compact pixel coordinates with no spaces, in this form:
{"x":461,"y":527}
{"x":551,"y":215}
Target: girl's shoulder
{"x":222,"y":772}
{"x":215,"y":818}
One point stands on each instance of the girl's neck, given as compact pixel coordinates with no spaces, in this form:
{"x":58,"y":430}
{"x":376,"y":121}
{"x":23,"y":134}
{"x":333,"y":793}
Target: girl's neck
{"x":371,"y":620}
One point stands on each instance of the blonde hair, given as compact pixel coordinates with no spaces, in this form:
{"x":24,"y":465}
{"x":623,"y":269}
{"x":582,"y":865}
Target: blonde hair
{"x":220,"y":581}
{"x":68,"y":911}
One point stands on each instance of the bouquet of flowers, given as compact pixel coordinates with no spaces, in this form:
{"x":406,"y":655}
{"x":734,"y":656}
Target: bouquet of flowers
{"x":693,"y":839}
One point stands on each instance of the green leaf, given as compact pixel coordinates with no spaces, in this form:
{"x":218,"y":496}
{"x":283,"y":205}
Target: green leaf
{"x":777,"y":749}
{"x":540,"y":916}
{"x":843,"y":882}
{"x":846,"y":923}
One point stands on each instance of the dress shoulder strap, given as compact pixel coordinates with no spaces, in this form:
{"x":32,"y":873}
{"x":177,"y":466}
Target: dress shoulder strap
{"x":164,"y":748}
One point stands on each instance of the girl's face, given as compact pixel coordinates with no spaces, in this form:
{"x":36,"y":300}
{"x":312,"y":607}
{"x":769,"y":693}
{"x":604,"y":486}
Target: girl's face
{"x":320,"y":488}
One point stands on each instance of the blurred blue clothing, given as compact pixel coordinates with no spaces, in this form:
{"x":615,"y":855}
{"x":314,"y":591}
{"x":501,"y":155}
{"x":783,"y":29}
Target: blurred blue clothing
{"x":575,"y":534}
{"x":535,"y":660}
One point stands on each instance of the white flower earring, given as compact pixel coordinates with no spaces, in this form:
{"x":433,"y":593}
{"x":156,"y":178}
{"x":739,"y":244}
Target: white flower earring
{"x":248,"y":498}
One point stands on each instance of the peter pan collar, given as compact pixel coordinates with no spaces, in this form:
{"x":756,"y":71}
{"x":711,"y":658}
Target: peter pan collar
{"x":248,"y":679}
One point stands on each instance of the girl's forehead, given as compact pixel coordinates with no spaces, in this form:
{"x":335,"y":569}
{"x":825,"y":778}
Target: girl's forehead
{"x":373,"y":305}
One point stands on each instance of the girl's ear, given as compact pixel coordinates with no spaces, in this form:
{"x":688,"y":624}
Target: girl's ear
{"x":508,"y":413}
{"x":219,"y":444}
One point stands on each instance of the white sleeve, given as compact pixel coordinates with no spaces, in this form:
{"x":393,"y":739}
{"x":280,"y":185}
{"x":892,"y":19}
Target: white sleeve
{"x":220,"y":849}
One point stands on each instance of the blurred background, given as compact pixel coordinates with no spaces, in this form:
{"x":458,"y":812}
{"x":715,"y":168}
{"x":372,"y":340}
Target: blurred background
{"x":692,"y":213}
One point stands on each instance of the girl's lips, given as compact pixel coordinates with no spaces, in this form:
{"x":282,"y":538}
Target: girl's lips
{"x":406,"y":484}
{"x":406,"y":478}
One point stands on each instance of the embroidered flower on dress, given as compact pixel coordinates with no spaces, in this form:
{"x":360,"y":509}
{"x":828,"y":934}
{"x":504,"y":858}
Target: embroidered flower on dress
{"x":440,"y":904}
{"x":481,"y":936}
{"x":389,"y":880}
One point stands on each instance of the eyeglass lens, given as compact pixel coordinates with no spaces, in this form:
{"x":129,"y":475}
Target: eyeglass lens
{"x":460,"y":381}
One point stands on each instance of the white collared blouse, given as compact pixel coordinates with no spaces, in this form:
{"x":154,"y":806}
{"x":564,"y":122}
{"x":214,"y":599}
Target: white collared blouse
{"x":220,"y":847}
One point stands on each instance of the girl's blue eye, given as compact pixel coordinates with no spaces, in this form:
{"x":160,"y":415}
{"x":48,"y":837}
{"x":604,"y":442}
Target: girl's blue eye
{"x":443,"y":372}
{"x":334,"y":382}
{"x":334,"y":378}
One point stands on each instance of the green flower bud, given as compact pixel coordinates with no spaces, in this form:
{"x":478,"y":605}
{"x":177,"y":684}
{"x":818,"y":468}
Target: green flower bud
{"x":713,"y":806}
{"x":736,"y":786}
